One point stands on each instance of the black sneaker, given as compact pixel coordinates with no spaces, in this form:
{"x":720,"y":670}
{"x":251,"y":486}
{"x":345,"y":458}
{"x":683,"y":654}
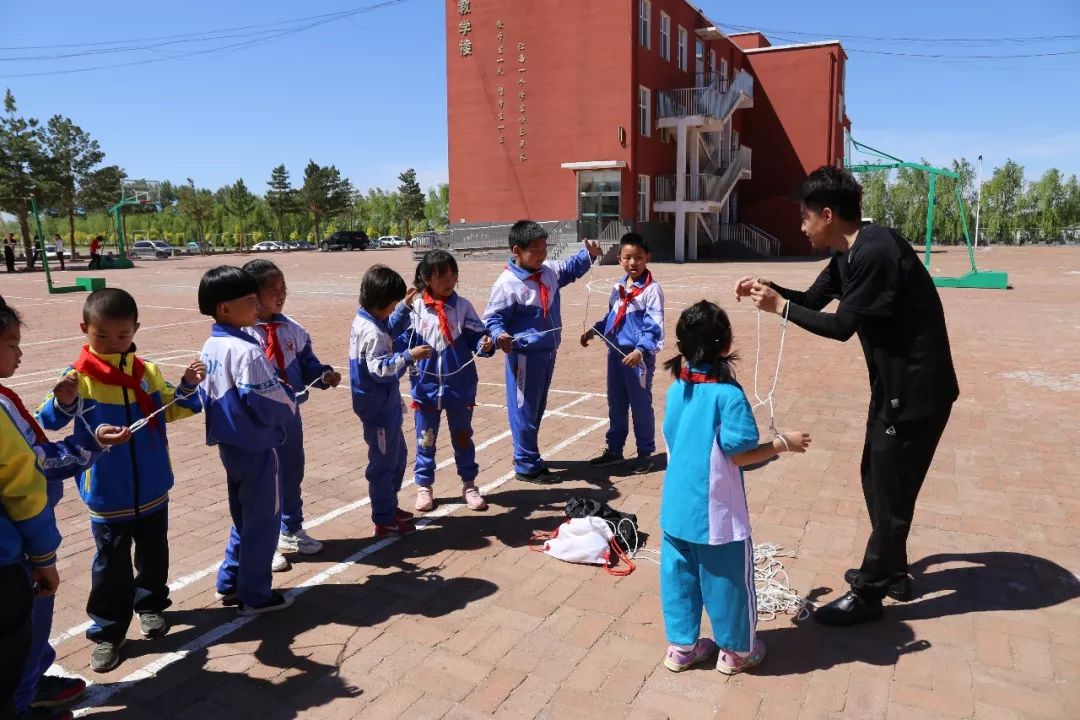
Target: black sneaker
{"x":644,"y":465}
{"x":54,"y":692}
{"x":540,"y":477}
{"x":849,"y":609}
{"x":898,"y":589}
{"x":606,"y":459}
{"x":153,"y":625}
{"x":228,"y":599}
{"x":106,"y":655}
{"x":276,"y":602}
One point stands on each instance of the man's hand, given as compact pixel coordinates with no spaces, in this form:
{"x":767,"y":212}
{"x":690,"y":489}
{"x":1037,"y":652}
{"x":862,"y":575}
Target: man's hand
{"x":766,"y":299}
{"x":634,"y":359}
{"x":332,"y":378}
{"x":45,"y":580}
{"x":109,"y":435}
{"x":505,"y":342}
{"x":594,"y":249}
{"x":744,"y":284}
{"x":195,"y":373}
{"x":66,"y":391}
{"x":487,"y":344}
{"x":587,"y":336}
{"x":421,"y":352}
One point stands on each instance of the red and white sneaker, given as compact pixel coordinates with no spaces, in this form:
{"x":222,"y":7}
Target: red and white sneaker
{"x":473,"y":498}
{"x":731,"y":663}
{"x":677,"y":660}
{"x":403,"y":515}
{"x":399,"y":528}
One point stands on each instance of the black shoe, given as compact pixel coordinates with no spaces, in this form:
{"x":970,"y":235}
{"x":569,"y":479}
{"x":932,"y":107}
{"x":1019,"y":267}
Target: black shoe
{"x":277,"y":601}
{"x":644,"y":465}
{"x":898,"y":589}
{"x":849,"y":609}
{"x":606,"y":459}
{"x":540,"y":477}
{"x":54,"y":691}
{"x":106,"y":655}
{"x":153,"y":625}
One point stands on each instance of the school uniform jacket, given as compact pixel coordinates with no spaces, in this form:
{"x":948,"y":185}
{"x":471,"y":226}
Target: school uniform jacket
{"x":642,"y":328}
{"x":27,"y":525}
{"x":468,"y":334}
{"x":374,"y":367}
{"x":301,"y":365}
{"x":515,"y":306}
{"x":246,"y":406}
{"x":134,"y":478}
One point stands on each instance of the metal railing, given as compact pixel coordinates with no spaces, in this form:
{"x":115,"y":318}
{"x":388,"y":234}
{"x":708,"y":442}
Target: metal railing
{"x":751,"y":237}
{"x":716,"y":98}
{"x":705,"y":187}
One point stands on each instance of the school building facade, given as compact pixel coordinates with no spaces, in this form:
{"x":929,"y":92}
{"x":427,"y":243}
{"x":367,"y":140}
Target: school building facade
{"x":601,"y":117}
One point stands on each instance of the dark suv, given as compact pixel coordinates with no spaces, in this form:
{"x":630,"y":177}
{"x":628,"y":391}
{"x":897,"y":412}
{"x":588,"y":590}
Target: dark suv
{"x":346,"y":240}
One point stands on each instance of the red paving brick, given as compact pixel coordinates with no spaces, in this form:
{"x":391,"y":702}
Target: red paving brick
{"x":463,"y":621}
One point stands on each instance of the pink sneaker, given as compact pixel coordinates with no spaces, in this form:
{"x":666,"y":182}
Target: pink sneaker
{"x":678,"y":660}
{"x":473,"y":498}
{"x":730,"y":664}
{"x":425,"y":500}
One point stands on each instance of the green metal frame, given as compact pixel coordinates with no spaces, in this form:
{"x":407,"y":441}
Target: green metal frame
{"x":53,"y":289}
{"x":121,"y":261}
{"x":975,"y":278}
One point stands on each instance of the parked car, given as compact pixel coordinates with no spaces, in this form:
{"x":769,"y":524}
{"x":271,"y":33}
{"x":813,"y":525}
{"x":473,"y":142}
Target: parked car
{"x":197,"y":248}
{"x":346,"y":240}
{"x":150,"y":249}
{"x":302,"y":245}
{"x":392,"y":241}
{"x":268,"y":246}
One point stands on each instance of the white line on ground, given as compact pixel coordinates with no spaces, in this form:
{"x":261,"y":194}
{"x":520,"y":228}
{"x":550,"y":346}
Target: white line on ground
{"x":99,"y":694}
{"x":51,"y":375}
{"x":141,"y":329}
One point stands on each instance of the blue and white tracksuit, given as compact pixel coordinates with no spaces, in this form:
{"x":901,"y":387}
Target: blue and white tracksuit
{"x":515,"y":309}
{"x":301,"y":368}
{"x":247,"y":412}
{"x":630,"y":389}
{"x":706,"y":559}
{"x":375,"y":372}
{"x":445,"y":381}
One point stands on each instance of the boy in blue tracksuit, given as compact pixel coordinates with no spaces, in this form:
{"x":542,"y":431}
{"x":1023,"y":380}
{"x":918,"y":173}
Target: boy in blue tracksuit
{"x":375,"y":371}
{"x":633,"y":331}
{"x":127,"y":492}
{"x":524,"y":319}
{"x":30,"y":486}
{"x":287,"y":346}
{"x":447,"y":380}
{"x":247,"y":411}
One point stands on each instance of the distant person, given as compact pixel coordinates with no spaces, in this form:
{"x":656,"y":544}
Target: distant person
{"x":9,"y":252}
{"x":95,"y":252}
{"x":58,"y":247}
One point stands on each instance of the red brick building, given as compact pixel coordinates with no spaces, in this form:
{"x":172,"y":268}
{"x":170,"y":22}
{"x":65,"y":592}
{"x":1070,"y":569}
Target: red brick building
{"x":636,"y":114}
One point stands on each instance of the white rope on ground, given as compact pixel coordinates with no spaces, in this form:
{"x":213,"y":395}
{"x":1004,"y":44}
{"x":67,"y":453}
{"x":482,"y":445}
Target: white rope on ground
{"x":775,"y":596}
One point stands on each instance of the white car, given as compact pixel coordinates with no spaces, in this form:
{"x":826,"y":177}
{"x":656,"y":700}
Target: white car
{"x":392,"y":241}
{"x":267,"y":246}
{"x":150,"y":249}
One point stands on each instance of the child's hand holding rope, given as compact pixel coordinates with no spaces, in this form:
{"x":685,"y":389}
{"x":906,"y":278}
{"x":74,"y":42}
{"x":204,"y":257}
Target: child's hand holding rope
{"x":505,"y":342}
{"x":633,"y":358}
{"x":587,"y":336}
{"x":421,"y":352}
{"x":109,"y":435}
{"x":195,"y":373}
{"x":796,"y":442}
{"x":66,"y":391}
{"x":487,"y":344}
{"x":331,"y":378}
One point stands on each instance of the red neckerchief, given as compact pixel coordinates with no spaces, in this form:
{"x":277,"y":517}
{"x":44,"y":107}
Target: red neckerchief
{"x":97,"y":368}
{"x":689,"y":376}
{"x":273,"y":351}
{"x":627,"y":298}
{"x":439,"y":306}
{"x":544,"y":292}
{"x":21,"y":409}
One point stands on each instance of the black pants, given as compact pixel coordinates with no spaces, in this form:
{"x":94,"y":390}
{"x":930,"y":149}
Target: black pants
{"x":9,"y":258}
{"x":60,"y":257}
{"x":114,"y":590}
{"x":16,"y":603}
{"x":95,"y":262}
{"x":894,"y":463}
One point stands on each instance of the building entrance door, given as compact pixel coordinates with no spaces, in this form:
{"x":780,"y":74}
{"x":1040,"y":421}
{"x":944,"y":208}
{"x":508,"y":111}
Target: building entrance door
{"x":598,"y":201}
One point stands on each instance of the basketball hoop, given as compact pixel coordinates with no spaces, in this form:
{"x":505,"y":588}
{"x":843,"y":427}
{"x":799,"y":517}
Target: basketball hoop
{"x":140,"y":192}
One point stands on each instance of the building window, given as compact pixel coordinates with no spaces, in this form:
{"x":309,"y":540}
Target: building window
{"x":645,"y":14}
{"x":723,"y":69}
{"x":665,"y":37}
{"x":840,"y":109}
{"x":682,"y":48}
{"x":645,"y":111}
{"x":643,"y":198}
{"x":699,"y":54}
{"x":712,"y":63}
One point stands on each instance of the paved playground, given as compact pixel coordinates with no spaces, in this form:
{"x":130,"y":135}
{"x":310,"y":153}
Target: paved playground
{"x":461,"y":620}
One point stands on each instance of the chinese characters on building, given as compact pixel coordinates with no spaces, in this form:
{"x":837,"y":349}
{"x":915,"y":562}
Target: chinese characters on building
{"x":464,"y":27}
{"x":500,"y":90}
{"x":522,"y":131}
{"x":502,"y":76}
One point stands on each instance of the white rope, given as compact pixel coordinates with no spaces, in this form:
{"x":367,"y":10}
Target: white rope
{"x":768,"y":399}
{"x":177,"y":397}
{"x":78,"y":413}
{"x":313,"y":383}
{"x":775,"y":596}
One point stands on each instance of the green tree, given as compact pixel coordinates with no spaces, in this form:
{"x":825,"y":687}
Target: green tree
{"x":909,"y":201}
{"x":948,"y":221}
{"x":876,"y":200}
{"x":198,"y":205}
{"x":101,"y":189}
{"x":1001,"y":197}
{"x":281,"y":198}
{"x":1047,"y":204}
{"x":24,"y":167}
{"x":411,"y":203}
{"x":437,"y":207}
{"x":74,"y":155}
{"x":168,"y":195}
{"x":325,"y":194}
{"x":239,"y":203}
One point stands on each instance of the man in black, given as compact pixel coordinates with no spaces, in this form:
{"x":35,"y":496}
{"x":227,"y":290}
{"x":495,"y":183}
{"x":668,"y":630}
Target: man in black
{"x":889,"y":299}
{"x":9,"y":252}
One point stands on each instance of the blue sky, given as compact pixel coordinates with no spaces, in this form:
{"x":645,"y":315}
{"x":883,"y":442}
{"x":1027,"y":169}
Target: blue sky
{"x":367,"y":93}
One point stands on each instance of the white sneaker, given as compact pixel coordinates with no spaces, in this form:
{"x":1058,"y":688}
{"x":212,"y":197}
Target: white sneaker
{"x":425,"y":501}
{"x":298,"y":542}
{"x":279,"y":563}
